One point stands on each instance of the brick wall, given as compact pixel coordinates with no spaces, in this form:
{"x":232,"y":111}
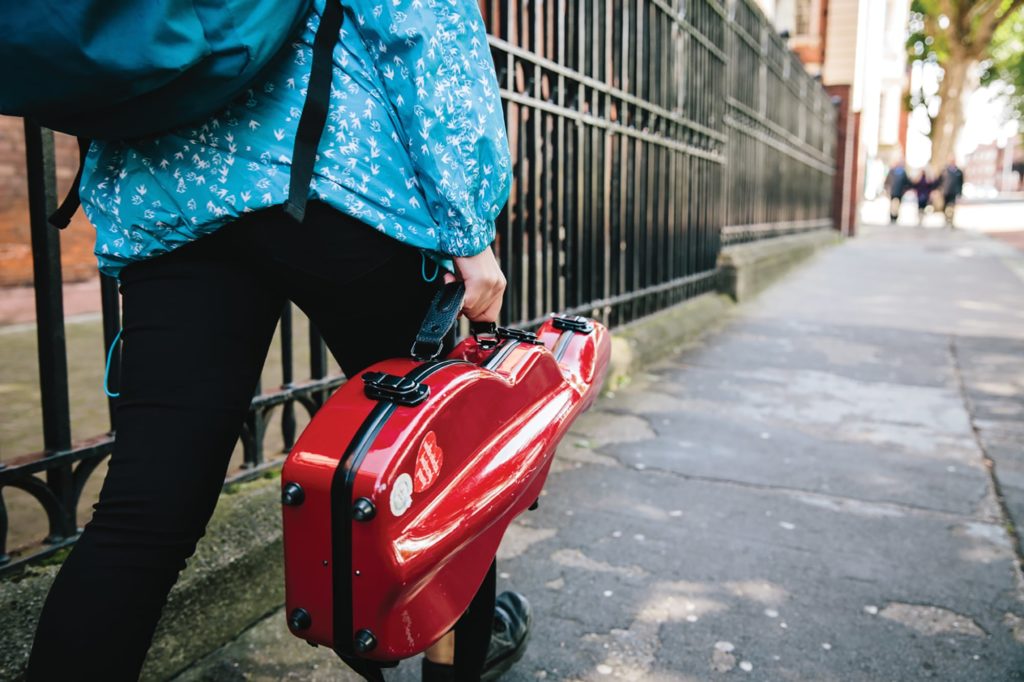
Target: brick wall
{"x":15,"y":241}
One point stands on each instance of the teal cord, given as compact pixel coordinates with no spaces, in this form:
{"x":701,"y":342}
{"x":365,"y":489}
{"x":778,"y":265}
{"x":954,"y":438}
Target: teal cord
{"x":106,"y":372}
{"x":423,"y":268}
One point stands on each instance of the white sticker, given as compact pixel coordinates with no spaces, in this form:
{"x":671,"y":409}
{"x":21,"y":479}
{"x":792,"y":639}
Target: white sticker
{"x":401,"y":495}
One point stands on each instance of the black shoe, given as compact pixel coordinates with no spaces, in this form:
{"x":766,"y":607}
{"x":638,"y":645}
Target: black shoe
{"x":510,"y":633}
{"x":436,"y":672}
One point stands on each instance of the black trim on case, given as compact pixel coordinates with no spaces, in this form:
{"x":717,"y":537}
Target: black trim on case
{"x":341,"y":509}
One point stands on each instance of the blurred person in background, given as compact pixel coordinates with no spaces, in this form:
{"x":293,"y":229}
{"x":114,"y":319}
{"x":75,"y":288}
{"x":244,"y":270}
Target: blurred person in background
{"x":923,"y":186}
{"x":951,"y":186}
{"x":896,"y":185}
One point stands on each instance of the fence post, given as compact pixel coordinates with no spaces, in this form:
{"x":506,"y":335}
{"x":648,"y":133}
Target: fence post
{"x":40,"y":165}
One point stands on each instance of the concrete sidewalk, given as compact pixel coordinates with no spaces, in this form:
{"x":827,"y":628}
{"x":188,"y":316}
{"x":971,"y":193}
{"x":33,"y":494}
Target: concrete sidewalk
{"x":805,"y":495}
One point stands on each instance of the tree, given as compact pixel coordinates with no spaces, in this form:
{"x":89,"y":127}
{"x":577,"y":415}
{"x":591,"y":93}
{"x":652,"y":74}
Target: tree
{"x":1004,"y":70}
{"x":954,"y":35}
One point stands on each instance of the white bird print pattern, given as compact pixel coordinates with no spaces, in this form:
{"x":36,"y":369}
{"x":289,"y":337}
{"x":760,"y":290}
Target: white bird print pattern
{"x":415,"y":142}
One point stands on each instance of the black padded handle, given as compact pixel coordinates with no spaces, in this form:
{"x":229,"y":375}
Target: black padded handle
{"x":439,"y":320}
{"x":441,"y":317}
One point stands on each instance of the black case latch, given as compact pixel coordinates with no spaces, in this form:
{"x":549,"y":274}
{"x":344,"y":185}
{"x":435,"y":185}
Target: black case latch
{"x":520,"y":335}
{"x":395,"y":389}
{"x":573,"y":323}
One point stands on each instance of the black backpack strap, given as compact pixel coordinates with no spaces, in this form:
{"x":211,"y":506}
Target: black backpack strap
{"x":314,"y":110}
{"x":473,"y":631}
{"x":61,"y":218}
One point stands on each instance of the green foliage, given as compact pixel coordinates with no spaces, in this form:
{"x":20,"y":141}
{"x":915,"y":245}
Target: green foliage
{"x":926,"y":42}
{"x":989,"y":32}
{"x":1004,"y":69}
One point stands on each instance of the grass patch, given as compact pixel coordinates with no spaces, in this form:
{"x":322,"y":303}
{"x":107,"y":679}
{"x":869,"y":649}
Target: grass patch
{"x":55,"y":559}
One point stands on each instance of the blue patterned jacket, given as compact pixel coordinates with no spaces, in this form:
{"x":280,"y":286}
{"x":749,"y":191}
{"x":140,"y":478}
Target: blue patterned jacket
{"x":414,"y":145}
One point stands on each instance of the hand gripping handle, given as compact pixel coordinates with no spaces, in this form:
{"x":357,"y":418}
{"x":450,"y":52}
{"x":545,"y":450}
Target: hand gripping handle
{"x":440,"y":318}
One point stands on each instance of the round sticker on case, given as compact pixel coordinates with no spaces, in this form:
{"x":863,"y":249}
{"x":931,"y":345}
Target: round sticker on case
{"x":428,"y":463}
{"x":401,"y":495}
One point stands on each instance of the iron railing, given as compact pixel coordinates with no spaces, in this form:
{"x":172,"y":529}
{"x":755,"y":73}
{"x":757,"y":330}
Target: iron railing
{"x":781,"y":129}
{"x":645,"y":135}
{"x":615,"y":115}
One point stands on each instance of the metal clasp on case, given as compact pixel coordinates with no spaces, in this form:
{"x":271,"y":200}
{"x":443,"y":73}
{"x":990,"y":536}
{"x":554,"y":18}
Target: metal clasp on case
{"x":573,"y":323}
{"x":485,"y":334}
{"x":520,"y":335}
{"x":395,"y":389}
{"x":416,"y":351}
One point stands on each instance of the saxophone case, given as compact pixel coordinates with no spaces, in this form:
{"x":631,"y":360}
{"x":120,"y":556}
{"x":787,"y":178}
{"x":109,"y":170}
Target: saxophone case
{"x":397,"y":494}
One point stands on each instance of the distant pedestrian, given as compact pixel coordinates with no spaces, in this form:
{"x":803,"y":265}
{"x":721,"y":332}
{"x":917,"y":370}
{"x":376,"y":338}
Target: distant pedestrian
{"x":951,"y":185}
{"x":896,"y":185}
{"x":923,"y":186}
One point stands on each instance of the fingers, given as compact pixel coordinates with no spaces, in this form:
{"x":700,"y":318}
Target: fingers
{"x":493,"y":312}
{"x":483,"y":299}
{"x":449,"y":277}
{"x":485,"y":286}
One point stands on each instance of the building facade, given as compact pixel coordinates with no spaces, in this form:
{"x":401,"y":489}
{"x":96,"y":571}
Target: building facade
{"x":995,"y":168}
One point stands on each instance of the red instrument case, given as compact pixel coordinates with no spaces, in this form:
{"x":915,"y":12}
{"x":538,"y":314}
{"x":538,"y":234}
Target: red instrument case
{"x":399,"y":491}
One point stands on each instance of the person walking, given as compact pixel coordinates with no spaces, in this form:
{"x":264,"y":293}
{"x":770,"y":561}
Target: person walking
{"x":896,"y":185}
{"x":922,"y":186}
{"x":411,"y":172}
{"x":951,"y":185}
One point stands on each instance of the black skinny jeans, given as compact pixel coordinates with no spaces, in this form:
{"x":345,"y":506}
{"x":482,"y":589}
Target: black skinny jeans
{"x":197,"y":326}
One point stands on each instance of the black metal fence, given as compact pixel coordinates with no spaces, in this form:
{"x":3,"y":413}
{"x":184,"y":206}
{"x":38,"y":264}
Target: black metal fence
{"x":781,"y":128}
{"x":646,"y":134}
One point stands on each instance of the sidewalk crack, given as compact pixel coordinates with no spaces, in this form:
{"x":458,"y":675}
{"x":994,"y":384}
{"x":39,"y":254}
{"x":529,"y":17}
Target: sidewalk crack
{"x":900,"y":507}
{"x":990,"y":466}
